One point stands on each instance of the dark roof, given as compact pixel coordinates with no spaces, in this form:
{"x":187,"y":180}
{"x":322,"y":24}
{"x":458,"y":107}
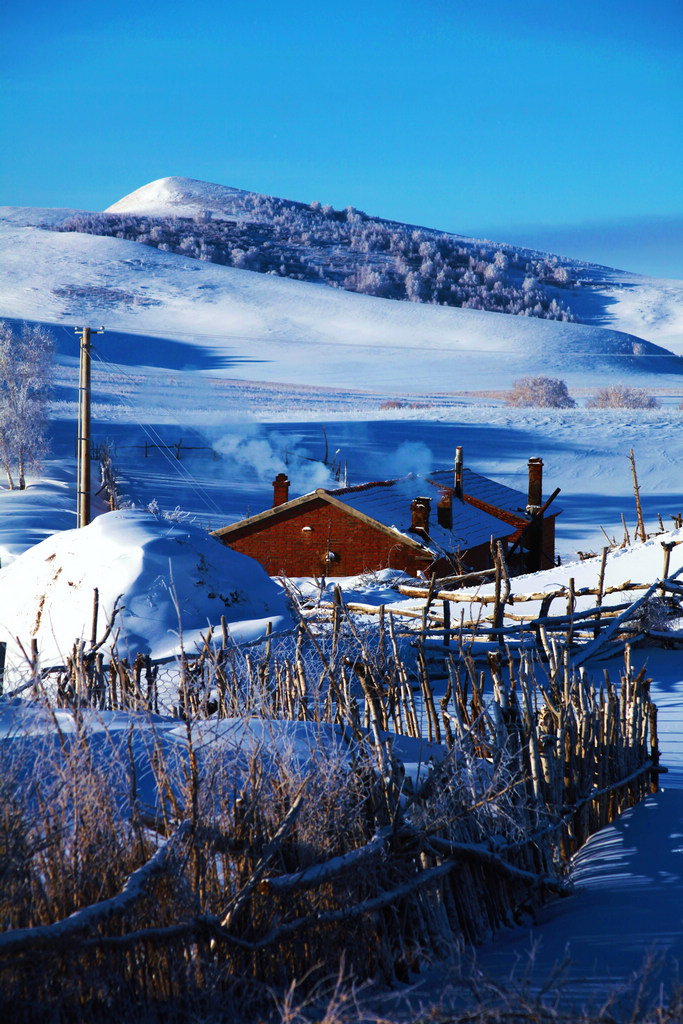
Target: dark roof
{"x":386,"y":503}
{"x":484,"y":489}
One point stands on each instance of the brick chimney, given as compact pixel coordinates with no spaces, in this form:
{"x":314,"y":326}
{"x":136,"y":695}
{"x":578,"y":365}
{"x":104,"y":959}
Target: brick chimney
{"x":458,"y":472}
{"x":419,"y":510}
{"x":535,"y":499}
{"x":280,"y":489}
{"x":444,"y":510}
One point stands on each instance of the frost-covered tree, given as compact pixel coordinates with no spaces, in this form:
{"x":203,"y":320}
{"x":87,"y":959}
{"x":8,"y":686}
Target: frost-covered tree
{"x":25,"y":385}
{"x":318,"y":243}
{"x":561,"y":275}
{"x":548,"y":392}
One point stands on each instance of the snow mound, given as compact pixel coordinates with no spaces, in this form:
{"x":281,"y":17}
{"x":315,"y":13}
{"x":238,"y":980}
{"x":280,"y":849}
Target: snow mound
{"x":183,"y":197}
{"x":47,"y":592}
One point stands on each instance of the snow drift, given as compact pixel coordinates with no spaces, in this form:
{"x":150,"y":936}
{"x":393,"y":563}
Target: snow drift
{"x":169,"y":575}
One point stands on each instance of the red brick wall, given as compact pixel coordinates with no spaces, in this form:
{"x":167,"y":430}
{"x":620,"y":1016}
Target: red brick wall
{"x":280,"y":543}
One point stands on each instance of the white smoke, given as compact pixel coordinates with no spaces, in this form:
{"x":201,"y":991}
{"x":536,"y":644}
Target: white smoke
{"x":410,"y":457}
{"x":252,"y":455}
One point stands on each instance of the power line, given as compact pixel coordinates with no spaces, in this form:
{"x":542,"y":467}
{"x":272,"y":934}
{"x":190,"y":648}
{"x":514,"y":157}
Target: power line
{"x":156,"y":438}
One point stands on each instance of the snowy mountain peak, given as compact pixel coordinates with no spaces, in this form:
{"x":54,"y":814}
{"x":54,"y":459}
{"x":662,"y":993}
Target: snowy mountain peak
{"x":181,"y":197}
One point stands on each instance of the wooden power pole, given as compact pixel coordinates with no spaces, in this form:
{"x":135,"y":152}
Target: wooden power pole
{"x":83,"y":444}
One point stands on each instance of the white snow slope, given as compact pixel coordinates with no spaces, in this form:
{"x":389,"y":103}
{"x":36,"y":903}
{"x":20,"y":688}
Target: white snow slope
{"x":313,"y":334}
{"x":297,"y":332}
{"x":184,"y":197}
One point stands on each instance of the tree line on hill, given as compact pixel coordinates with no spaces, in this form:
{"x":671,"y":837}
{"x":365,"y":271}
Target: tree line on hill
{"x":349,"y":249}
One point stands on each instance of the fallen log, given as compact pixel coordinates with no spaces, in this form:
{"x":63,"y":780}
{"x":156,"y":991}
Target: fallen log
{"x":316,"y":874}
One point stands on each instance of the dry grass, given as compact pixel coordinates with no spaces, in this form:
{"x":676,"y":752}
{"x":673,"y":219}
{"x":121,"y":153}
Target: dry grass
{"x":399,"y":403}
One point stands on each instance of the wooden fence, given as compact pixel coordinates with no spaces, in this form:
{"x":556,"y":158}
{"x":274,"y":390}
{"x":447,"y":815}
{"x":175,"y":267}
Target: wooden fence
{"x":535,"y":757}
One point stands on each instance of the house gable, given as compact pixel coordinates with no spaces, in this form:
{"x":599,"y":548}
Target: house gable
{"x":318,"y":535}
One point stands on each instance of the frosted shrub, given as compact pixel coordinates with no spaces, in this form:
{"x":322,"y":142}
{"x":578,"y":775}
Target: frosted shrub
{"x":546,"y":392}
{"x":618,"y":396}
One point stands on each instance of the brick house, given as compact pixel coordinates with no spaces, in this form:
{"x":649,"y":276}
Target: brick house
{"x":442,"y":522}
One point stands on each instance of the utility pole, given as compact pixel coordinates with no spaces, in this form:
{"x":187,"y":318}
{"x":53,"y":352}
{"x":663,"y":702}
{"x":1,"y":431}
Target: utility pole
{"x":83,"y":506}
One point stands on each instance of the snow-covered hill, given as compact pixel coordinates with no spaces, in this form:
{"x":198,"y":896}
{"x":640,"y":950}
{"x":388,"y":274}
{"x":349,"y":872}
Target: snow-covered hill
{"x":186,"y":197}
{"x":237,"y":361}
{"x":280,"y":330}
{"x":647,"y":307}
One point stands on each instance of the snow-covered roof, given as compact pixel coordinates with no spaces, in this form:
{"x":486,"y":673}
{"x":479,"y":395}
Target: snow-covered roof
{"x":484,"y":489}
{"x":388,"y":502}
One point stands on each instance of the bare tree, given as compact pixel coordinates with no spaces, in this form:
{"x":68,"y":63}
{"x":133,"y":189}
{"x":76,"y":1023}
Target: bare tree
{"x":25,"y":384}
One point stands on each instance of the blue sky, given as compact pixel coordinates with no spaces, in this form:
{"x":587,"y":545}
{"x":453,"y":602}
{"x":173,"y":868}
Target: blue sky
{"x":547,"y":124}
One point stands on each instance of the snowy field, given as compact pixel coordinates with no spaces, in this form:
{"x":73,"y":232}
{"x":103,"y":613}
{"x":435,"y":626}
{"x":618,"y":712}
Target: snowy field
{"x":247,"y":368}
{"x":245,"y":371}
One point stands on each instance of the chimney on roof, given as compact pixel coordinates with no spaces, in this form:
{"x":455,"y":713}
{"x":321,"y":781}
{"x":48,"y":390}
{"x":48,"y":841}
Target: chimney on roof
{"x":458,"y":472}
{"x":280,"y":489}
{"x":535,"y":498}
{"x":444,"y":510}
{"x":419,"y":510}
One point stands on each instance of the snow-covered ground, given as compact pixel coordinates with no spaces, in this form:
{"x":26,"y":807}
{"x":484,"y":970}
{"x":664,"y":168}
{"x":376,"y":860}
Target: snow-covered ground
{"x":246,"y":369}
{"x":260,"y":327}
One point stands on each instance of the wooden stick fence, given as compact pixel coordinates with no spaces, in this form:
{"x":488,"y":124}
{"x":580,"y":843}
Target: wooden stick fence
{"x":534,"y":757}
{"x":602,"y":623}
{"x":542,"y":762}
{"x":177,"y":447}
